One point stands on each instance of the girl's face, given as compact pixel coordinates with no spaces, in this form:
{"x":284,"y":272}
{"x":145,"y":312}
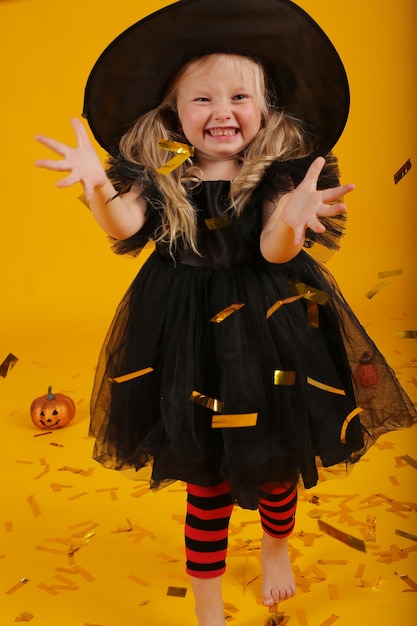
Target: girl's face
{"x":219,"y":107}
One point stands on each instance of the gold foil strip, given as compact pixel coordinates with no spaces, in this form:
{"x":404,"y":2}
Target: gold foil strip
{"x":207,"y":402}
{"x":17,"y":586}
{"x":345,"y":424}
{"x":33,"y":503}
{"x":310,"y":293}
{"x":131,"y":376}
{"x":345,"y":538}
{"x":183,"y":152}
{"x":8,"y":364}
{"x":389,"y":273}
{"x":407,"y":334}
{"x":220,"y":317}
{"x":238,"y":420}
{"x":313,"y":314}
{"x":372,"y":292}
{"x":178,"y":592}
{"x":278,"y":304}
{"x":324,"y":387}
{"x":214,"y":223}
{"x":282,"y":377}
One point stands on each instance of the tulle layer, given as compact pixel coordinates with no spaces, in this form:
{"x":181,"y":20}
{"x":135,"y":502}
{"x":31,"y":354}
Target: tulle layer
{"x":300,"y":373}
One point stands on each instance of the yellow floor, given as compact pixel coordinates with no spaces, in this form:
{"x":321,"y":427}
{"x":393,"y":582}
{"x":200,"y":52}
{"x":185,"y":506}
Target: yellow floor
{"x":98,"y":549}
{"x":94,"y":548}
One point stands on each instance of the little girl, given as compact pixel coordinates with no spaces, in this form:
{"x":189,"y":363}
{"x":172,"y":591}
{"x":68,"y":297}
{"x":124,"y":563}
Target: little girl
{"x":230,"y":363}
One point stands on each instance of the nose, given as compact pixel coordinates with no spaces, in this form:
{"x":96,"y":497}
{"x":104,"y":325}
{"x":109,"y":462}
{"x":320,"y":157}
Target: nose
{"x":222,"y":111}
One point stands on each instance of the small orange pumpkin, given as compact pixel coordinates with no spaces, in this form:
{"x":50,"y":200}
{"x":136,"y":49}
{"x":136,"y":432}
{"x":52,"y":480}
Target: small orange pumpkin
{"x":53,"y":410}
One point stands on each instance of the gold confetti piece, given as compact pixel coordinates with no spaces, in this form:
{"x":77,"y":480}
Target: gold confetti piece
{"x":310,"y":293}
{"x":372,"y":292}
{"x":85,"y":574}
{"x":57,"y":445}
{"x":318,"y":572}
{"x":278,"y":304}
{"x":347,"y":421}
{"x":394,"y":481}
{"x":178,"y":592}
{"x":7,"y":365}
{"x":410,"y":461}
{"x":331,"y":620}
{"x":332,"y":561}
{"x":333,"y":592}
{"x":34,"y":506}
{"x":131,"y":376}
{"x":282,"y":377}
{"x":349,"y":540}
{"x":302,"y":617}
{"x":8,"y":527}
{"x":18,"y":585}
{"x":390,"y":273}
{"x":49,"y":432}
{"x":48,"y":589}
{"x":138,"y":580}
{"x":50,"y":550}
{"x":407,"y":334}
{"x":214,"y":223}
{"x":24,"y":617}
{"x":360,"y":570}
{"x":206,"y":401}
{"x":399,"y":174}
{"x":183,"y":152}
{"x":313,"y":314}
{"x":238,"y":420}
{"x":168,"y":557}
{"x":220,"y":317}
{"x":76,"y":470}
{"x":371,"y":584}
{"x":409,"y":582}
{"x":78,"y":495}
{"x":138,"y":493}
{"x":324,"y":387}
{"x":402,"y":533}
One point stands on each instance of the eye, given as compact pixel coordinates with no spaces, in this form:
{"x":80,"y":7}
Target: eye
{"x":202,"y":99}
{"x":240,"y":96}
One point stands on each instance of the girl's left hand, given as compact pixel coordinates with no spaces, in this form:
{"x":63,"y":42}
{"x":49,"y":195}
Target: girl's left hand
{"x":304,"y":205}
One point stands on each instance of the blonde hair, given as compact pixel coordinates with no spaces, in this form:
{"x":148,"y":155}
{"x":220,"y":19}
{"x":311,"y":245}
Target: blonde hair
{"x":280,"y":138}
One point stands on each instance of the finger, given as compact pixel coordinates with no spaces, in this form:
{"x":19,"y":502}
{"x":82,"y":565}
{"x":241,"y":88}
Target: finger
{"x":69,"y":180}
{"x":80,"y":132}
{"x":314,"y":171}
{"x":335,"y":193}
{"x":56,"y":166}
{"x":53,"y":144}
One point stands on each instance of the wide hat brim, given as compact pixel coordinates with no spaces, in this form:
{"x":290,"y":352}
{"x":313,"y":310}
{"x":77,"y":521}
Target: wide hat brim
{"x":131,"y":74}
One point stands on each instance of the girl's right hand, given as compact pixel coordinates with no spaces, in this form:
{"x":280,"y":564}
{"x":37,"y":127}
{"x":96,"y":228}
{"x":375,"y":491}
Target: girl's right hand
{"x":82,"y":162}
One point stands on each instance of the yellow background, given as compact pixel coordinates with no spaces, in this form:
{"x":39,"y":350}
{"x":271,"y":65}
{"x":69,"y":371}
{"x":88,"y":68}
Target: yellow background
{"x":60,"y":283}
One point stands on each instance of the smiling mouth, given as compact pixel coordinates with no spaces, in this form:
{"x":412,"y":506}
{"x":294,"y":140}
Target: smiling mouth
{"x":222,"y":132}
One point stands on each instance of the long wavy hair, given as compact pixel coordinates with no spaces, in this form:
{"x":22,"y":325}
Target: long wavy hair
{"x":281,"y":137}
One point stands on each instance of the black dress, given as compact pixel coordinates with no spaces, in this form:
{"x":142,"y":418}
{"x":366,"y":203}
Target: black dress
{"x":241,"y":370}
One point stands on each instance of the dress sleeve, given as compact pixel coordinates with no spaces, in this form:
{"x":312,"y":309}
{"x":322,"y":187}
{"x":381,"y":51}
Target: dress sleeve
{"x":123,"y":174}
{"x":283,"y":176}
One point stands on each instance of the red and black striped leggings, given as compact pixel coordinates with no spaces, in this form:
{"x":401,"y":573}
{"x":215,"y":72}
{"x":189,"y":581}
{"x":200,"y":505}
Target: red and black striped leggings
{"x":207,"y":523}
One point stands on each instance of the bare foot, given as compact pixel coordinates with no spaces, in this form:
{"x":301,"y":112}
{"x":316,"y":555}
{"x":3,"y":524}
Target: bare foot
{"x":277,"y":578}
{"x":209,"y":606}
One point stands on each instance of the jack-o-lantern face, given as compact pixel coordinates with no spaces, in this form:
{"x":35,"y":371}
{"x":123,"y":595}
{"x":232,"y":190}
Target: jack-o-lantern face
{"x":54,"y":410}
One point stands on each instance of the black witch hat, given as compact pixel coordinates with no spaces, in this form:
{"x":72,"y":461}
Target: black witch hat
{"x":308,"y":76}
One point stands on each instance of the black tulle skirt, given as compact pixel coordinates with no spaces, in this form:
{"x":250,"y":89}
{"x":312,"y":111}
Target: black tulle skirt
{"x":303,"y":371}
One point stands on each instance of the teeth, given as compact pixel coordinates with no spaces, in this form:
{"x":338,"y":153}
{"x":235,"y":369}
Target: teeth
{"x":222,"y":132}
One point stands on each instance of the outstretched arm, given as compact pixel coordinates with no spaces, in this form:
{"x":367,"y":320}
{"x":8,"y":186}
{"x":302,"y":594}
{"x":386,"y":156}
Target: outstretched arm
{"x":119,"y":217}
{"x":283,"y":234}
